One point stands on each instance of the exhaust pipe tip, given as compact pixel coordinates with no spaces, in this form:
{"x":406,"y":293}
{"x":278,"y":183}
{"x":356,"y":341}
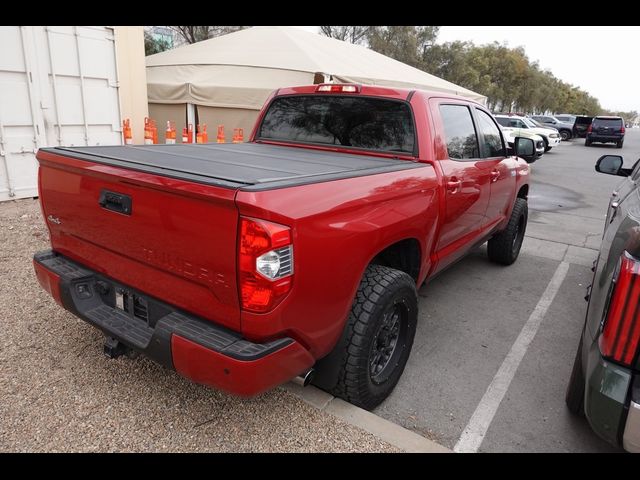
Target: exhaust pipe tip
{"x":304,"y":379}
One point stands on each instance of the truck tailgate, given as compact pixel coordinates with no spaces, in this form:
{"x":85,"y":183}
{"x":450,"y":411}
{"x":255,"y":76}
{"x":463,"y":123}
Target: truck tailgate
{"x":172,"y":239}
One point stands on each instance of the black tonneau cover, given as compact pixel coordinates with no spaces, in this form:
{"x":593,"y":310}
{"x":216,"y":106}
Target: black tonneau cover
{"x":249,"y":166}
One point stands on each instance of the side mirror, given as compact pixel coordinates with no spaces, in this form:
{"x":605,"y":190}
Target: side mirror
{"x":525,"y":148}
{"x":611,"y":165}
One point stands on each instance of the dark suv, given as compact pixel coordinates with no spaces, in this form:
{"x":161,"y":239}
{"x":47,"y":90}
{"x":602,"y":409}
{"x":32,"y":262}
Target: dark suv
{"x":606,"y":130}
{"x":605,"y":382}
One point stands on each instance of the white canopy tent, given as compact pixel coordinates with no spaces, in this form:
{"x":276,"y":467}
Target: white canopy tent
{"x":228,"y":78}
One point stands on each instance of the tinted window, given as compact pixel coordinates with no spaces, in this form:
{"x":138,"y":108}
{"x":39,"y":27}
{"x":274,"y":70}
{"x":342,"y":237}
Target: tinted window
{"x":510,"y":122}
{"x":371,"y":123}
{"x":607,"y":122}
{"x":459,"y":131}
{"x":492,"y":140}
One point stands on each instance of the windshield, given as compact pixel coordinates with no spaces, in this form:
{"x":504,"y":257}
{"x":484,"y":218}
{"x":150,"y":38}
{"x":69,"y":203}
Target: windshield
{"x":531,"y":123}
{"x":347,"y":121}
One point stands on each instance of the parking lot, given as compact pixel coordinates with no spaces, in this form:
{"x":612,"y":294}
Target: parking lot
{"x":472,"y":315}
{"x":474,"y":371}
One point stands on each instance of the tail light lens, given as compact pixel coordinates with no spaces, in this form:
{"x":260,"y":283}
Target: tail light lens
{"x":337,"y":88}
{"x":622,"y":130}
{"x":590,"y":128}
{"x":621,"y":328}
{"x":265,"y":264}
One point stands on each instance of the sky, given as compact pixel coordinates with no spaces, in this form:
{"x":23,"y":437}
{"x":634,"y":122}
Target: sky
{"x":600,"y":60}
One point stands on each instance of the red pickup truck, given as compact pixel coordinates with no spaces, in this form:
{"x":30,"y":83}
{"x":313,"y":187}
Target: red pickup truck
{"x":295,"y":255}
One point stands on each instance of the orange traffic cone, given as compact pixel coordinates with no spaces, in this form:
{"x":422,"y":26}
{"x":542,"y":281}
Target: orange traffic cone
{"x":190,"y":133}
{"x":198,"y":134}
{"x":205,"y":136}
{"x":126,"y":132}
{"x":154,"y":131}
{"x":170,"y":134}
{"x":238,"y":135}
{"x":148,"y":134}
{"x":220,"y":138}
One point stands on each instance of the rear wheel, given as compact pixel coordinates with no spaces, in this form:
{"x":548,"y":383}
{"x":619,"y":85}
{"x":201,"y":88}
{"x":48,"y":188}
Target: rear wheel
{"x":575,"y":390}
{"x":619,"y":144}
{"x":379,"y":335}
{"x":504,"y":247}
{"x":587,"y":143}
{"x":565,"y":134}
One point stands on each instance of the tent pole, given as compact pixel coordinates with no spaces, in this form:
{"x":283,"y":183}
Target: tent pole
{"x":191,"y":118}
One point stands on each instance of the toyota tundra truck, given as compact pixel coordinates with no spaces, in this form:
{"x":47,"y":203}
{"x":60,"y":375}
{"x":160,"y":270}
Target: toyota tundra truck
{"x":296,"y":255}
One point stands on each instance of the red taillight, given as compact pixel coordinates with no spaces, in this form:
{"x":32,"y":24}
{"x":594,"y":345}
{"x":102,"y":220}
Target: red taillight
{"x":265,"y":264}
{"x":621,"y":330}
{"x":337,"y":88}
{"x":622,"y":130}
{"x":589,"y":128}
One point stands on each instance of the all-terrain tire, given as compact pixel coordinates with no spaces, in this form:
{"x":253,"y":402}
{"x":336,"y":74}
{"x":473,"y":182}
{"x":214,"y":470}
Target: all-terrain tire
{"x":504,"y":247}
{"x":619,"y":144}
{"x":587,"y":143}
{"x":386,"y":299}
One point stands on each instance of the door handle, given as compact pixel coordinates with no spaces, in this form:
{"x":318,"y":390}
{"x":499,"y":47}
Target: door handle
{"x":454,"y":184}
{"x":495,"y":175}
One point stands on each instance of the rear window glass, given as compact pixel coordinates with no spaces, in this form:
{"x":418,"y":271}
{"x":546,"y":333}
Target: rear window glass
{"x":607,"y":122}
{"x":347,"y":121}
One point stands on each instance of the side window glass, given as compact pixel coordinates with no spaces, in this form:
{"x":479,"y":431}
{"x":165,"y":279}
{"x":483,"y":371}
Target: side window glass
{"x":462,"y":141}
{"x":521,"y":124}
{"x":492,"y":141}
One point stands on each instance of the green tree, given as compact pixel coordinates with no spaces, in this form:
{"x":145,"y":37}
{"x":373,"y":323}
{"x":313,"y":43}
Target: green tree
{"x":353,"y":34}
{"x":406,"y":44}
{"x":152,"y":45}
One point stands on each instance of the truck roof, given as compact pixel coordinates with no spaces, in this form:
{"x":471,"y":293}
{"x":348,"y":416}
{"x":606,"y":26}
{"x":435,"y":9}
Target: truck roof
{"x":373,"y":91}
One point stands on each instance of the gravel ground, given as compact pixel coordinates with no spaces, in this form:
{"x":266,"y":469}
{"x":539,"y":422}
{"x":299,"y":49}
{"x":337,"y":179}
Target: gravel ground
{"x":59,"y":393}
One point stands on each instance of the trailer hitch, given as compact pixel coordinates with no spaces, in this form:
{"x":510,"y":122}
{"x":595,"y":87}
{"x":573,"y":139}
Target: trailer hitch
{"x":113,"y":348}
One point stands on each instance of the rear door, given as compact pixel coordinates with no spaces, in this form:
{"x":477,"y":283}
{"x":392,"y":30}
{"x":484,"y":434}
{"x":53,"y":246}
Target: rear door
{"x":466,"y":180}
{"x":501,"y":167}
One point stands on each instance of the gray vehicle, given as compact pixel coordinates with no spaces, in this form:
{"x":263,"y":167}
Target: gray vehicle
{"x":566,"y":118}
{"x":564,"y":128}
{"x":605,"y":381}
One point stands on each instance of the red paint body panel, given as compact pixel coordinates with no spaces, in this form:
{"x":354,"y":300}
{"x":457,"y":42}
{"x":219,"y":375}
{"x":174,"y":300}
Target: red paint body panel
{"x":179,"y":243}
{"x":337,"y":228}
{"x":240,"y":378}
{"x":49,"y":281}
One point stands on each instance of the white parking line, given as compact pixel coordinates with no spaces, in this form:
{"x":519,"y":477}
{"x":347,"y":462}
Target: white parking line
{"x":475,"y":431}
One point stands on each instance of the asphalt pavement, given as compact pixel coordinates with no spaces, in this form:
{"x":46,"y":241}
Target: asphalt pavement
{"x":495,"y":345}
